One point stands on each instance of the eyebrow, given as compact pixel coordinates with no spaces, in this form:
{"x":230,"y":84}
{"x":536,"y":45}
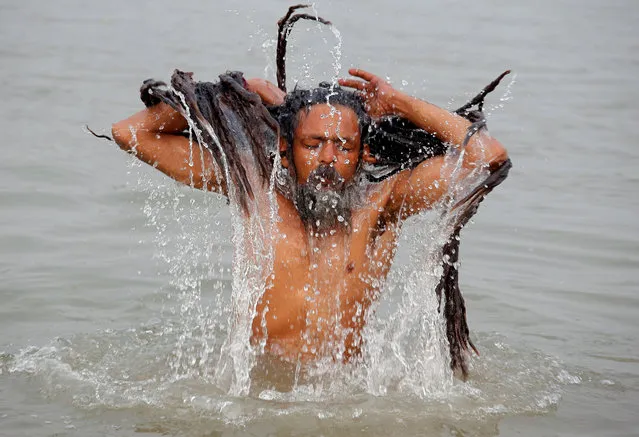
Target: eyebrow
{"x":324,"y":138}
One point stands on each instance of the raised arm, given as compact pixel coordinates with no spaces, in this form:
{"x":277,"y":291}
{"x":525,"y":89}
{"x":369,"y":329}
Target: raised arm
{"x":418,"y":189}
{"x":153,"y":136}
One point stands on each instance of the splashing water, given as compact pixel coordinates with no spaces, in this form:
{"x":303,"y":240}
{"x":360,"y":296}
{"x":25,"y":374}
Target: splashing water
{"x":506,"y":97}
{"x":336,"y":50}
{"x":120,"y":371}
{"x":407,"y":352}
{"x":252,"y":263}
{"x":180,"y":373}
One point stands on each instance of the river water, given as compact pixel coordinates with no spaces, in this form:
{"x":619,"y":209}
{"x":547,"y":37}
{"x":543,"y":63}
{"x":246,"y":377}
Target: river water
{"x":99,"y":333}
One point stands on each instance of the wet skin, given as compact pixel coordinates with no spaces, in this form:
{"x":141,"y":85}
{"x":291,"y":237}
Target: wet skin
{"x":323,"y":283}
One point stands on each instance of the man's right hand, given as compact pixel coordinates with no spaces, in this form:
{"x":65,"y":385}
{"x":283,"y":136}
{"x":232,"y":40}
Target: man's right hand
{"x":268,"y":92}
{"x":146,"y":92}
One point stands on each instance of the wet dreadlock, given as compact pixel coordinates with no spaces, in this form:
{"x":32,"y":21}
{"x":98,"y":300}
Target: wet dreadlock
{"x":226,"y":113}
{"x":284,"y":28}
{"x":242,"y":123}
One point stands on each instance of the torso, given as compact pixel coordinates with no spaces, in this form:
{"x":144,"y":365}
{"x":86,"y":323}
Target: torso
{"x":316,"y":301}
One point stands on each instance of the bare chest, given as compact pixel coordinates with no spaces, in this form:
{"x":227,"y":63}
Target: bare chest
{"x":326,"y":282}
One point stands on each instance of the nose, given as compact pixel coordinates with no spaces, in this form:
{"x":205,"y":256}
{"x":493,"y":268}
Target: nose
{"x":328,"y":153}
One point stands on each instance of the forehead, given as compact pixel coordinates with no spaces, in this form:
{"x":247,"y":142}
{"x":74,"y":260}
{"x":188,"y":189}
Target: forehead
{"x":328,"y":121}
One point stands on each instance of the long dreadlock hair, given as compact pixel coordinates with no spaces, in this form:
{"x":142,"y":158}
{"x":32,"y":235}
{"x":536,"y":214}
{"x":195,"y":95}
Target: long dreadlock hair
{"x":241,"y":122}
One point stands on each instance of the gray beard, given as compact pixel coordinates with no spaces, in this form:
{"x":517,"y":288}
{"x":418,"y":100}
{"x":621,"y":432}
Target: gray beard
{"x":327,"y":208}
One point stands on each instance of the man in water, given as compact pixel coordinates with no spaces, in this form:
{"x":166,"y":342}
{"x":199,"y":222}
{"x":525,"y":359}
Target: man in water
{"x":339,"y":239}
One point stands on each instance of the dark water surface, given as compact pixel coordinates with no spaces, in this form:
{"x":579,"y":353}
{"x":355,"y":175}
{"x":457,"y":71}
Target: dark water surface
{"x":94,"y":321}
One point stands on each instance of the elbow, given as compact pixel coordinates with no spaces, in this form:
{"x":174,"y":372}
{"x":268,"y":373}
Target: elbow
{"x":491,"y":152}
{"x":499,"y":154}
{"x":486,"y":152}
{"x":122,"y":135}
{"x":497,"y":157}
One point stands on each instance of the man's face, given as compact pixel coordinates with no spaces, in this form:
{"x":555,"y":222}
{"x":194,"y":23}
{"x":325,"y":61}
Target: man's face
{"x":327,"y":136}
{"x":326,"y":153}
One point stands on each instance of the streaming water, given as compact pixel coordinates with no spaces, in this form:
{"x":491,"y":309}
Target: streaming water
{"x":128,"y":300}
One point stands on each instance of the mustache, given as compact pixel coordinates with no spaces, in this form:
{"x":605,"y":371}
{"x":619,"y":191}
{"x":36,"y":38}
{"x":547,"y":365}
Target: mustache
{"x":326,"y":174}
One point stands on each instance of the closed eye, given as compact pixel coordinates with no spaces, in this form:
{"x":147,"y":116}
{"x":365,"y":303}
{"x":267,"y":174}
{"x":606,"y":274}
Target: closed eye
{"x":345,"y":147}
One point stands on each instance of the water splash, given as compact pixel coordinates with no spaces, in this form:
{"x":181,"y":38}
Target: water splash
{"x":124,"y":371}
{"x":336,"y":50}
{"x":252,"y":263}
{"x":406,"y":352}
{"x":406,"y":347}
{"x":506,"y":97}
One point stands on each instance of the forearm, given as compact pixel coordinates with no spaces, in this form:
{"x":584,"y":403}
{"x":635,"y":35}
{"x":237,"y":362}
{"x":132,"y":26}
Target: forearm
{"x":448,"y":127}
{"x":451,"y":128}
{"x":160,"y":118}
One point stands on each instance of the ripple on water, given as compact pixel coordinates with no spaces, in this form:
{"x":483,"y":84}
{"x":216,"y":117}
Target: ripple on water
{"x":130,"y":371}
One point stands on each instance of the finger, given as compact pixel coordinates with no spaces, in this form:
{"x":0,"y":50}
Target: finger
{"x":361,"y":73}
{"x":352,"y":83}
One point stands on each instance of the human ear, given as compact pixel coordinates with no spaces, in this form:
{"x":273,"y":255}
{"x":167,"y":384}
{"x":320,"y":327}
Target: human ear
{"x":283,"y":146}
{"x":367,"y":156}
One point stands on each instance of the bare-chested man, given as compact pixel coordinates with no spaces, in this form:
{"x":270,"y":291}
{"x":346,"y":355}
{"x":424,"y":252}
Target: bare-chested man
{"x":339,"y":240}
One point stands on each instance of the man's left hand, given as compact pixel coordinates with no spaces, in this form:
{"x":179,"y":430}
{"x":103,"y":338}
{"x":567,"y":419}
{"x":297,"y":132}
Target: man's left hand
{"x":379,"y":96}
